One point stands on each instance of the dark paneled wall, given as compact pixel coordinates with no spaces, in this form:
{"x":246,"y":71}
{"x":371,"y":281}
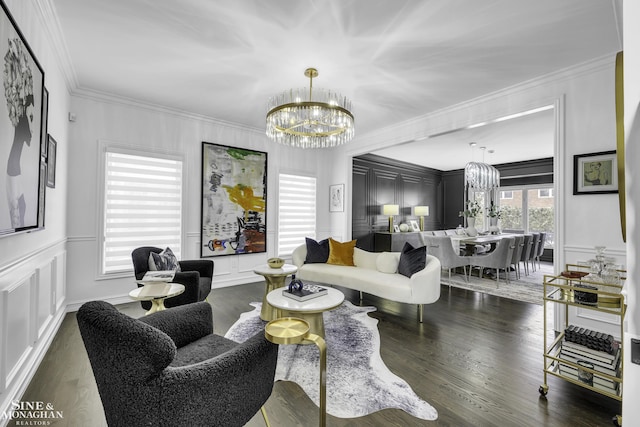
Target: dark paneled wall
{"x":379,"y":181}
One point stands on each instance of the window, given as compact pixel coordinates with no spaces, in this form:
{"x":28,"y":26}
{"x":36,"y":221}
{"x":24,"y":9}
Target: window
{"x":506,"y":195}
{"x":142,"y":206}
{"x":296,"y":211}
{"x":531,"y":209}
{"x":544,"y":193}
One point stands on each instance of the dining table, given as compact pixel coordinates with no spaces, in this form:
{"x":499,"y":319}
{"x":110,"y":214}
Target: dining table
{"x":470,"y":243}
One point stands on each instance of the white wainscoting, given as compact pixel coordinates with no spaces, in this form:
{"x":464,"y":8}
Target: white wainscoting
{"x":32,"y":306}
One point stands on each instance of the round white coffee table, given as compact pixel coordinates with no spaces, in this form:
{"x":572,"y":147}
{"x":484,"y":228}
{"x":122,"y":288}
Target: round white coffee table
{"x":274,"y":278}
{"x":310,"y":310}
{"x":156,"y":292}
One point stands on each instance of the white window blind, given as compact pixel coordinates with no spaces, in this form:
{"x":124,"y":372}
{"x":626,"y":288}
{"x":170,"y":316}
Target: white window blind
{"x":142,"y":207}
{"x":296,"y":211}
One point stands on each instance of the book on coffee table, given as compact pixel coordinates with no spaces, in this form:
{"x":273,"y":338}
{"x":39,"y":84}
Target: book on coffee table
{"x":159,"y":276}
{"x":308,"y":292}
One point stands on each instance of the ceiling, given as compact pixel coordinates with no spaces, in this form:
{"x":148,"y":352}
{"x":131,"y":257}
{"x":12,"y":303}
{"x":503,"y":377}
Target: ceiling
{"x":396,"y":60}
{"x":527,"y":137}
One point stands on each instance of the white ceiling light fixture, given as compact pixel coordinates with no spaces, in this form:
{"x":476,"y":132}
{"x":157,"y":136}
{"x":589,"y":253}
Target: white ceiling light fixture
{"x":323,"y":120}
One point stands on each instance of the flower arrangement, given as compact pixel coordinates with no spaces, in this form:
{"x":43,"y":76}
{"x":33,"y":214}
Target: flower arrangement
{"x":494,"y":211}
{"x":472,"y":209}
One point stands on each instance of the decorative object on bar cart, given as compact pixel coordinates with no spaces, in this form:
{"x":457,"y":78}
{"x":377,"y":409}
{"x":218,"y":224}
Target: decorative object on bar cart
{"x":472,"y":209}
{"x":604,"y":276}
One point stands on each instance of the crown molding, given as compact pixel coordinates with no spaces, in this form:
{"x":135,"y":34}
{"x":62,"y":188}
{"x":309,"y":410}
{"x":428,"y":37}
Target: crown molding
{"x":110,"y":98}
{"x":51,"y":25}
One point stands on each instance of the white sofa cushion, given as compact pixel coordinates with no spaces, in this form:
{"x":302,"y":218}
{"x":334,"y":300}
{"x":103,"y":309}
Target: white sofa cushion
{"x":387,"y":262}
{"x":365,"y":259}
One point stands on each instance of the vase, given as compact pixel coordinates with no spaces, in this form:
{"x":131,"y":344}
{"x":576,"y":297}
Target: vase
{"x":493,"y":225}
{"x":471,"y":227}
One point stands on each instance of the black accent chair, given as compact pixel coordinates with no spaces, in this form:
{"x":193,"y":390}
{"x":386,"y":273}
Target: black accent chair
{"x":196,"y":276}
{"x":169,"y":369}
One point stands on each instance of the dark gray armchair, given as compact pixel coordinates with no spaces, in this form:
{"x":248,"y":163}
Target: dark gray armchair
{"x":169,"y":369}
{"x":196,"y":276}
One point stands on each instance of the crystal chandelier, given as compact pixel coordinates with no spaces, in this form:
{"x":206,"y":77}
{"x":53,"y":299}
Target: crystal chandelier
{"x":481,"y":176}
{"x":322,"y":121}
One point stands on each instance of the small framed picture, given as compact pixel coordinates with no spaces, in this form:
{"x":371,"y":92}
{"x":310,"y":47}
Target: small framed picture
{"x":336,"y":198}
{"x":51,"y":162}
{"x":595,"y":173}
{"x":414,"y":225}
{"x":396,"y":229}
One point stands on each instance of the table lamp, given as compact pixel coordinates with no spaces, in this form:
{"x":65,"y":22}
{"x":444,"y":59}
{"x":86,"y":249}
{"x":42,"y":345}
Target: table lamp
{"x":421,"y":211}
{"x":390,"y":210}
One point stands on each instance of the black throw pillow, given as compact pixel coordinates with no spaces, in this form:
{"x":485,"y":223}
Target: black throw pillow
{"x":317,"y":252}
{"x":412,"y":259}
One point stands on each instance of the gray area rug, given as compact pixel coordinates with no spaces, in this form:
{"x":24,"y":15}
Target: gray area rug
{"x":358,"y":381}
{"x":528,"y":288}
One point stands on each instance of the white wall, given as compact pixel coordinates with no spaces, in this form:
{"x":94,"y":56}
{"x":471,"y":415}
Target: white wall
{"x":32,"y":265}
{"x":630,"y":407}
{"x":152,"y":128}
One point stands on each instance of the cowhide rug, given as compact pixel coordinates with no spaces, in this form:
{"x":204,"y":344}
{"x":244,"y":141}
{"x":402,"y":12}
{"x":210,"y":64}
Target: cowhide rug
{"x":358,"y":381}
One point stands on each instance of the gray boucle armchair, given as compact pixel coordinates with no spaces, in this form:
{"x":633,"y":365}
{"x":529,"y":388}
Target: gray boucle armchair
{"x":196,"y":276}
{"x":169,"y":369}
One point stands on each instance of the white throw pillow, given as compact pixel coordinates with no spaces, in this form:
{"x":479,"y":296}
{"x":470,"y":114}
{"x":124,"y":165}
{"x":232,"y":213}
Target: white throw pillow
{"x":364,"y":259}
{"x":387,"y":262}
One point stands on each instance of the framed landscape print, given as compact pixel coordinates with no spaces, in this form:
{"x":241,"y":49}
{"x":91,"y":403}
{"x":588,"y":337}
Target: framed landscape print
{"x":595,"y":173}
{"x":21,"y":109}
{"x":234,"y":200}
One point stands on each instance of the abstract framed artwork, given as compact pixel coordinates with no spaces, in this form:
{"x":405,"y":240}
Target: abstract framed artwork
{"x":336,"y":198}
{"x":51,"y":162}
{"x":21,"y":195}
{"x":595,"y":173}
{"x":234,"y":200}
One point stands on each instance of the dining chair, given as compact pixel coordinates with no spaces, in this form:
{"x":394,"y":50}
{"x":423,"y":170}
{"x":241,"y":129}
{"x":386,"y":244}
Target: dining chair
{"x":534,"y":250}
{"x":442,"y":248}
{"x":517,"y":253}
{"x":540,"y":251}
{"x":526,"y":251}
{"x":499,"y":259}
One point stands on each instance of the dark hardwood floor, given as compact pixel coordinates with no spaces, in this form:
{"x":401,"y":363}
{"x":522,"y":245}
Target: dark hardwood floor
{"x":476,"y":358}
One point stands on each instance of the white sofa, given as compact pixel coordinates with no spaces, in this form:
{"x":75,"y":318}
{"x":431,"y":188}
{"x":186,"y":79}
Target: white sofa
{"x":376,"y":273}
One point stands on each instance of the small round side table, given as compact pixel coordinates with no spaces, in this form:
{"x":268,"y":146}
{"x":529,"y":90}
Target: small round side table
{"x":274,"y":278}
{"x":156,"y":292}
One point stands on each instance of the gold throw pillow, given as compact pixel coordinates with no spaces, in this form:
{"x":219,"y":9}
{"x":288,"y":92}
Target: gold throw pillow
{"x":341,"y":253}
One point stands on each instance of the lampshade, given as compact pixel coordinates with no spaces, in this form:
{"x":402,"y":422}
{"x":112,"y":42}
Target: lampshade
{"x":421,"y":210}
{"x":390,"y":210}
{"x":324,"y":120}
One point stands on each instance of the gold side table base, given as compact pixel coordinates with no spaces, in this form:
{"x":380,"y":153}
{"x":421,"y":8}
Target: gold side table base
{"x":269,"y":312}
{"x":292,"y":330}
{"x":157,"y":304}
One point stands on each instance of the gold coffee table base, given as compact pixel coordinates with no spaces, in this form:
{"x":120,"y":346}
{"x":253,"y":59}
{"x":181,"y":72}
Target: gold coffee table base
{"x":291,"y":330}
